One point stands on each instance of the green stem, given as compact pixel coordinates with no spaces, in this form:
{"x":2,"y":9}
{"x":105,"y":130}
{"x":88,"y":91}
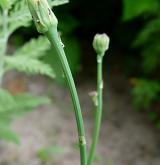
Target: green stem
{"x":98,"y":115}
{"x":4,"y":43}
{"x":53,"y":37}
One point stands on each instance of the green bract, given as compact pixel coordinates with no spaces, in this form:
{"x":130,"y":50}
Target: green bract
{"x":101,"y":43}
{"x":42,"y":15}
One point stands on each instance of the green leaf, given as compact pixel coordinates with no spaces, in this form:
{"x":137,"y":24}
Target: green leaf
{"x":135,"y":8}
{"x":28,"y":65}
{"x":144,"y":92}
{"x":19,"y":12}
{"x":19,"y":102}
{"x":7,"y":134}
{"x":7,"y":3}
{"x":18,"y":17}
{"x":58,"y":2}
{"x":150,"y":32}
{"x":35,"y":48}
{"x":151,"y":58}
{"x":13,"y":106}
{"x":6,"y":99}
{"x":28,"y":101}
{"x":45,"y":153}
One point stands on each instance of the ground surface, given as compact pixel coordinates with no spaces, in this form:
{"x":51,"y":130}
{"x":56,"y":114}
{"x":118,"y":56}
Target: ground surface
{"x":127,"y":137}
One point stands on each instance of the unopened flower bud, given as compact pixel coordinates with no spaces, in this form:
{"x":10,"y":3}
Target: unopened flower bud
{"x":101,"y":43}
{"x":42,"y":15}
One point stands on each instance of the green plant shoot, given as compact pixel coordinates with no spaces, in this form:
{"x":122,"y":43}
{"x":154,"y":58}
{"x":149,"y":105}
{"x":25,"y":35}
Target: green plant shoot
{"x":46,"y":23}
{"x":100,"y":45}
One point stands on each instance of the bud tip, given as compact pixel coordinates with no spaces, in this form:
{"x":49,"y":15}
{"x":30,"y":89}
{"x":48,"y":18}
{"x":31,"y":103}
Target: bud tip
{"x":101,"y":43}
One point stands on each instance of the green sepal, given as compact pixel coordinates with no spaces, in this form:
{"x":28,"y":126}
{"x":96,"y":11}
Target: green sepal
{"x":42,"y":15}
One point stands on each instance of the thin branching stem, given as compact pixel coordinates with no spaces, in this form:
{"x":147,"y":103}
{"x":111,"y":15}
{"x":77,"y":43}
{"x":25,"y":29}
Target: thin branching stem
{"x":4,"y":46}
{"x":98,"y":115}
{"x":53,"y":37}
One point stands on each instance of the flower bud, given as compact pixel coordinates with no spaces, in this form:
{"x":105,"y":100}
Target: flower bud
{"x":101,"y":43}
{"x":42,"y":15}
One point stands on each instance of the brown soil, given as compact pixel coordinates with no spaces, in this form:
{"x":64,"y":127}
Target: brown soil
{"x":127,"y":137}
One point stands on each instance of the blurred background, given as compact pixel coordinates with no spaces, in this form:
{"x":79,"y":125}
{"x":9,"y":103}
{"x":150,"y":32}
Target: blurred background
{"x":131,"y":117}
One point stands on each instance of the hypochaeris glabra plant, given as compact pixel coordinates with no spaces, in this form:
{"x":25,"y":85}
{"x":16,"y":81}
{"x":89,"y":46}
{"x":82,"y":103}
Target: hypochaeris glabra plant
{"x":100,"y":45}
{"x":46,"y":23}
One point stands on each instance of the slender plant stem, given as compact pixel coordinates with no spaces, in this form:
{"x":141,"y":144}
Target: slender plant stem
{"x":53,"y":37}
{"x":98,"y":114}
{"x":5,"y":21}
{"x":4,"y":43}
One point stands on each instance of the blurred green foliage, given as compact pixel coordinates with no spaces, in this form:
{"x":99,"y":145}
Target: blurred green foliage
{"x":46,"y":154}
{"x":72,"y":47}
{"x":13,"y":106}
{"x":133,"y":9}
{"x":146,"y":90}
{"x":27,"y":58}
{"x":41,"y":60}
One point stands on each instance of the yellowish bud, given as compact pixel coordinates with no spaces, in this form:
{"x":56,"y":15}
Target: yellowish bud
{"x":101,"y":43}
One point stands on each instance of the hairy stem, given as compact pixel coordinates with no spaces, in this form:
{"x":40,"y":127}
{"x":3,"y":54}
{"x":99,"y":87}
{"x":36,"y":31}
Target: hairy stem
{"x":53,"y":37}
{"x":4,"y":43}
{"x":98,"y":115}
